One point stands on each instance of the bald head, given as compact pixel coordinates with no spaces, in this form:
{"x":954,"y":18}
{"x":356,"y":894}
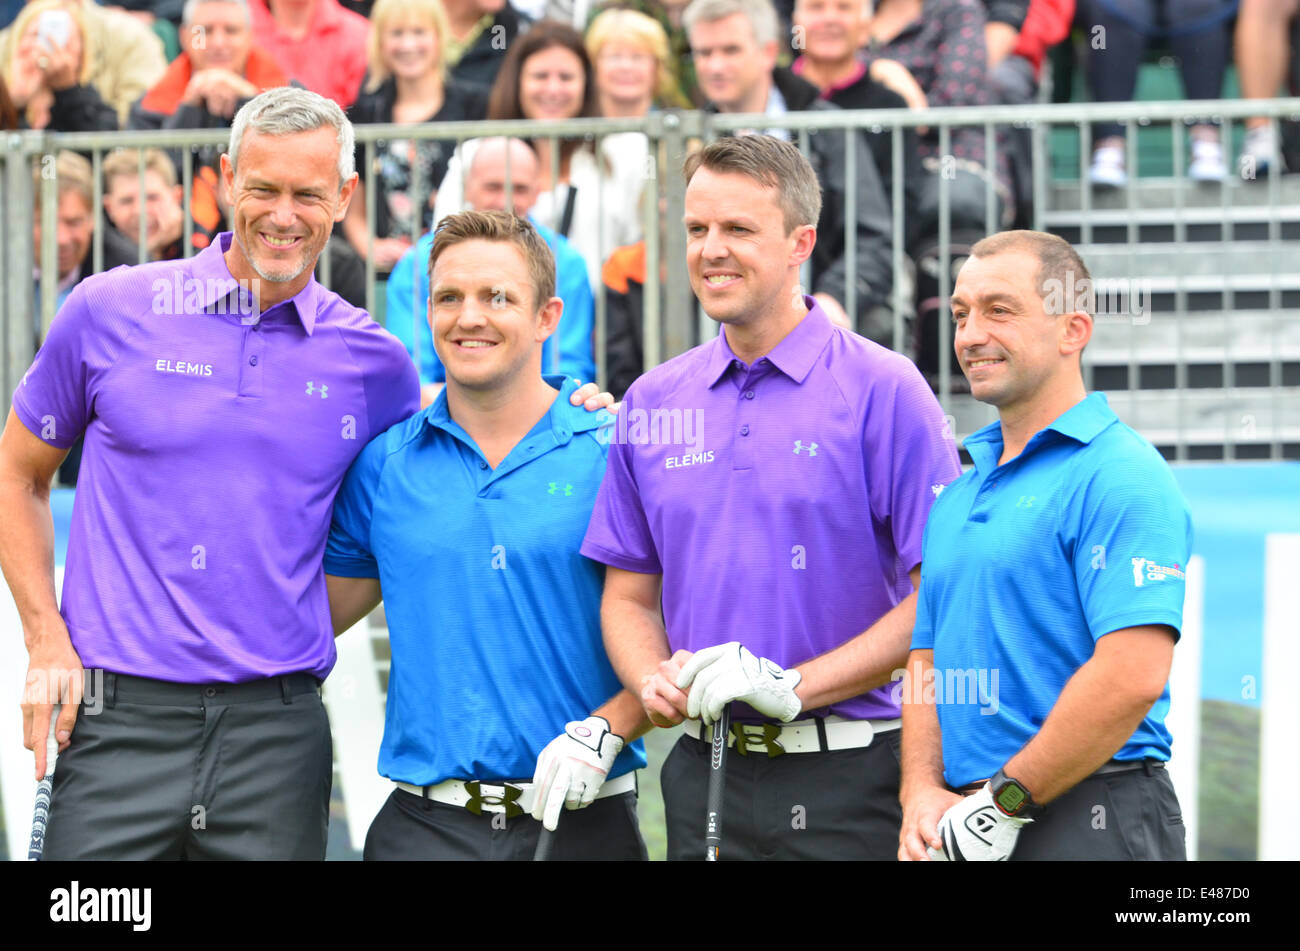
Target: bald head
{"x":485,"y":185}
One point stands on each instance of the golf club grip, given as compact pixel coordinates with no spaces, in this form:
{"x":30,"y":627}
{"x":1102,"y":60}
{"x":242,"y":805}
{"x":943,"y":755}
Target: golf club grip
{"x":44,"y":790}
{"x":717,"y":776}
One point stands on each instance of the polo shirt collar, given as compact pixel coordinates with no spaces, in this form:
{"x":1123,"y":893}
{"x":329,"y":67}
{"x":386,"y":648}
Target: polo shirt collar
{"x":1082,"y":422}
{"x":215,"y":282}
{"x":1085,"y":420}
{"x":565,"y":419}
{"x":794,"y":356}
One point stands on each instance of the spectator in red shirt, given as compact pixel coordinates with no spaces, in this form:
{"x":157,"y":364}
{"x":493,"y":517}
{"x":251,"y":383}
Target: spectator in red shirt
{"x":317,"y":42}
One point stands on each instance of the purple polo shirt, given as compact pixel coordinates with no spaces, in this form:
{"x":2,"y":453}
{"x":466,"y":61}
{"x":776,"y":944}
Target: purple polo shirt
{"x":791,"y":520}
{"x":215,"y":443}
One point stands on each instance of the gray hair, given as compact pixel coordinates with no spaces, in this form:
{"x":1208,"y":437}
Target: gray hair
{"x":188,"y":13}
{"x":760,"y":14}
{"x":287,"y":110}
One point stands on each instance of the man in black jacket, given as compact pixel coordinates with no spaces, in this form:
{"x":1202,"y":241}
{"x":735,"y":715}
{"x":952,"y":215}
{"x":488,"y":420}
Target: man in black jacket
{"x":734,"y":44}
{"x":481,"y":34}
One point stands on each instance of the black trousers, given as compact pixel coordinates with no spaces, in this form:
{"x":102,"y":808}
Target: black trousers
{"x":195,"y":771}
{"x":410,"y":828}
{"x":1130,"y":816}
{"x":837,"y":805}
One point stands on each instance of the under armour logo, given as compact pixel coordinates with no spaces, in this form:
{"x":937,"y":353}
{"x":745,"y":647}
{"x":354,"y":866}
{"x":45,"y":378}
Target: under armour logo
{"x":937,"y":488}
{"x":766,"y":740}
{"x":555,"y":486}
{"x":800,"y":447}
{"x":312,"y":388}
{"x":506,"y":802}
{"x":1026,"y":502}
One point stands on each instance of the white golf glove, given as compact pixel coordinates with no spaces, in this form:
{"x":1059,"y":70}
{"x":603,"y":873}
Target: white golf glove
{"x":976,"y":830}
{"x":572,"y":767}
{"x":718,"y":675}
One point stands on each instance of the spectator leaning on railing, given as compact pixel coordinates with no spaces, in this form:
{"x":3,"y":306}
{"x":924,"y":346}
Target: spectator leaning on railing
{"x":75,"y":223}
{"x":164,"y":216}
{"x":406,"y":84}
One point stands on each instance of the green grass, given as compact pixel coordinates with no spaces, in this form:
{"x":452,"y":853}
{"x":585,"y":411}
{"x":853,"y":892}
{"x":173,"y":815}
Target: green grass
{"x":1229,"y":781}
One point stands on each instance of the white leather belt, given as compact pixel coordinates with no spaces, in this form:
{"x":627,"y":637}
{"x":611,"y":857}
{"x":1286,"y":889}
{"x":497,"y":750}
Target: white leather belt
{"x":514,"y":799}
{"x":818,"y":735}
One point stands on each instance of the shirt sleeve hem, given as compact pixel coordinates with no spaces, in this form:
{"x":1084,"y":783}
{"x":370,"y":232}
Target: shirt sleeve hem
{"x":1118,"y":622}
{"x":645,"y":566}
{"x":33,"y":424}
{"x":349,"y":568}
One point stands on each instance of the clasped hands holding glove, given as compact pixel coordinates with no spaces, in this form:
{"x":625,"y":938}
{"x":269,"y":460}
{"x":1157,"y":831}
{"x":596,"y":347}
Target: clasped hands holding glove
{"x":572,"y":767}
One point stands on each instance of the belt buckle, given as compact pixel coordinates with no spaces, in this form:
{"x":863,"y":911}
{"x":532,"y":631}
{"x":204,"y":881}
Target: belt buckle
{"x":766,"y":739}
{"x":506,"y":802}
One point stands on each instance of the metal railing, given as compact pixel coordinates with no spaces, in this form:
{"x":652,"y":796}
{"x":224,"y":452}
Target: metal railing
{"x":1266,"y":214}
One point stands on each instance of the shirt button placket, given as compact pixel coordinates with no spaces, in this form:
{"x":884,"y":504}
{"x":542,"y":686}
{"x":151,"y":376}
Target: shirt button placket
{"x":250,"y":377}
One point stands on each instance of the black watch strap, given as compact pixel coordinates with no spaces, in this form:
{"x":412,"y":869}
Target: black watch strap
{"x":1013,"y":798}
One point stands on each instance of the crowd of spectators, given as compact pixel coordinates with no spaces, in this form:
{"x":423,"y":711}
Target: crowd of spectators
{"x":75,"y":65}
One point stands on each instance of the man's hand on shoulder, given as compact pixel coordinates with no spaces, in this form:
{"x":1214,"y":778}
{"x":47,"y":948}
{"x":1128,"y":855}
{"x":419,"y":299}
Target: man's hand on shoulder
{"x":589,"y":395}
{"x":976,"y":830}
{"x":572,"y":768}
{"x":718,"y":675}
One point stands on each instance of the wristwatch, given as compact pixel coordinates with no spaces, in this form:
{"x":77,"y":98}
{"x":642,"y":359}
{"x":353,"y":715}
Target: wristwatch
{"x":1013,"y":798}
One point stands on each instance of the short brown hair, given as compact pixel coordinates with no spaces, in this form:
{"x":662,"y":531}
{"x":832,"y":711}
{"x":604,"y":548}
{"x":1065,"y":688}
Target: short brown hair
{"x":500,"y":226}
{"x":74,"y":173}
{"x":773,"y":163}
{"x":1059,"y":265}
{"x":126,"y":162}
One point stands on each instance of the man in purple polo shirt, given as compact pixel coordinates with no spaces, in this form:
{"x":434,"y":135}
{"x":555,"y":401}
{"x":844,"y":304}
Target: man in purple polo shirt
{"x":222,"y":400}
{"x":772,"y":485}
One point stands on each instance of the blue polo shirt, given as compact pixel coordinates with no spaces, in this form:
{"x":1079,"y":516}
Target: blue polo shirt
{"x":1027,"y":564}
{"x":493,"y":615}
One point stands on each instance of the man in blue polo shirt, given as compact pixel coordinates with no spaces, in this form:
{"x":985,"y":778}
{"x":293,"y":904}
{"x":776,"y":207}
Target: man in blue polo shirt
{"x":1051,"y":597}
{"x":770,"y":488}
{"x":568,"y":350}
{"x":467,"y":519}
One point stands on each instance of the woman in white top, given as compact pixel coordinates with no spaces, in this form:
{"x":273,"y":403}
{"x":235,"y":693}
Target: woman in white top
{"x":593,"y":199}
